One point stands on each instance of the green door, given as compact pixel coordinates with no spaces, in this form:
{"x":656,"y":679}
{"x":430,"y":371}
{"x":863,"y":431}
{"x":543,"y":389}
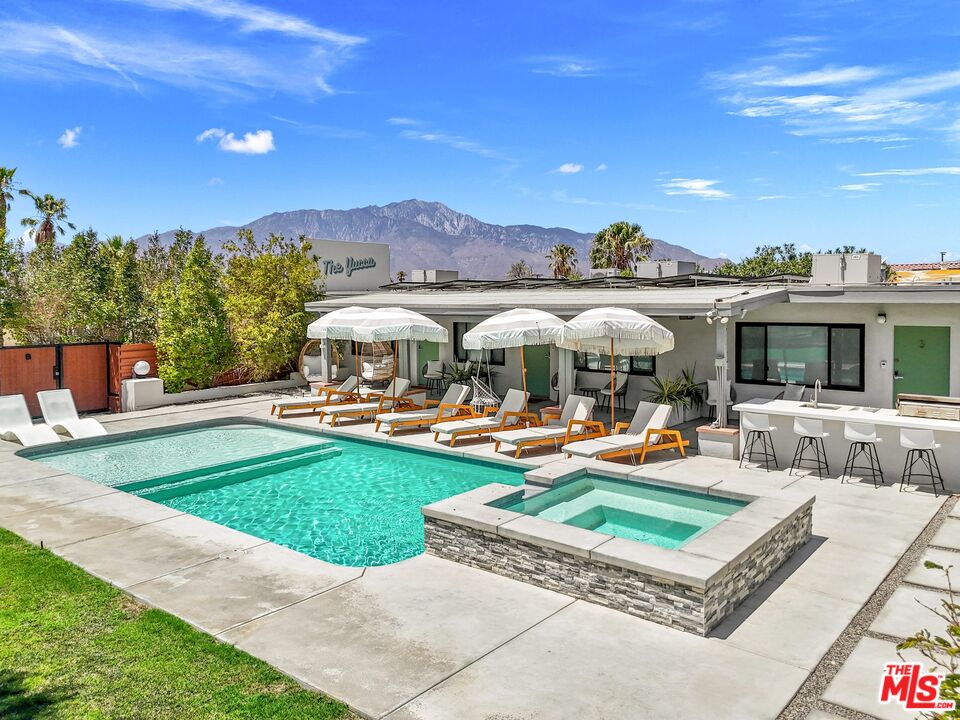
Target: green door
{"x":538,"y":370}
{"x":921,"y":360}
{"x":426,"y":350}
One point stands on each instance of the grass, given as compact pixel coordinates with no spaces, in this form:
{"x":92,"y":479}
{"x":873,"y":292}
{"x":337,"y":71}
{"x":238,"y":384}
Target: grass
{"x":72,"y":646}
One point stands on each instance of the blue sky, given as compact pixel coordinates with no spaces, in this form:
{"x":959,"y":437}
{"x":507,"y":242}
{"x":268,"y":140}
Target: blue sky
{"x":716,"y":125}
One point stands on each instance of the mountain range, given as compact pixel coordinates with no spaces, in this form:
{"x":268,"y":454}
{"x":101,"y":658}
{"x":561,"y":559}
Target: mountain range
{"x":430,"y":235}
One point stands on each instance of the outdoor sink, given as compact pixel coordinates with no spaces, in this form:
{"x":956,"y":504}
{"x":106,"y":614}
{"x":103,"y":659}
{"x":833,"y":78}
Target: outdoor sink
{"x":820,"y":406}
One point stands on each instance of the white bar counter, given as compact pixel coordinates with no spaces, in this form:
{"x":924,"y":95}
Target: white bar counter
{"x":887,"y":421}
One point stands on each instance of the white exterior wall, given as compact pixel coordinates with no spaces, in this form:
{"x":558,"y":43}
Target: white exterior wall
{"x":878,"y":344}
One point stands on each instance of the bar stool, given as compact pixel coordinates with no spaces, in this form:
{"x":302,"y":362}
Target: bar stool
{"x":758,"y":429}
{"x":863,"y":441}
{"x":920,"y":445}
{"x":811,"y":434}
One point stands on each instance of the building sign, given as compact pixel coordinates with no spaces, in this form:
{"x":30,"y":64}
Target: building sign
{"x":352,"y":267}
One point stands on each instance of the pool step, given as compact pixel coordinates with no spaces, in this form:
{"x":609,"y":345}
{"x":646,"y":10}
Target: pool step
{"x":171,"y":487}
{"x":133,"y":487}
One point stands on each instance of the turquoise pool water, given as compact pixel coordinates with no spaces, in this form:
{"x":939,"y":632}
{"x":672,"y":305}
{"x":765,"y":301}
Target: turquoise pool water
{"x":344,"y":501}
{"x":648,"y":513}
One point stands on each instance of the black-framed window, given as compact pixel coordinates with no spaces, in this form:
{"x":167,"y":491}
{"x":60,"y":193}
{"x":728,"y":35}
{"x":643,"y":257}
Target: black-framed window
{"x":801,"y":353}
{"x":495,"y":357}
{"x":638,"y":365}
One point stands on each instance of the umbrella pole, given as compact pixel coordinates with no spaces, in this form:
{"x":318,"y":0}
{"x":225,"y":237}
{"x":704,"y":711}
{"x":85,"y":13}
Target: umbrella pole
{"x":356,"y":358}
{"x":613,"y":386}
{"x":393,"y":382}
{"x":523,"y":371}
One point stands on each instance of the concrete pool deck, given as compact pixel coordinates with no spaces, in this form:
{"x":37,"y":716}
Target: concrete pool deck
{"x":428,"y":638}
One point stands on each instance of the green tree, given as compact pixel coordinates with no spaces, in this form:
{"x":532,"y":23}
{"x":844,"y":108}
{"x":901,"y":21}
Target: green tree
{"x":778,"y":260}
{"x":193,"y":343}
{"x":158,"y":264}
{"x":126,"y":299}
{"x":45,"y":297}
{"x":50,"y":215}
{"x":267,"y":285}
{"x":11,"y":283}
{"x":401,"y":276}
{"x":619,"y":246}
{"x":7,"y":184}
{"x":83,"y":271}
{"x":563,"y":260}
{"x":519,"y":270}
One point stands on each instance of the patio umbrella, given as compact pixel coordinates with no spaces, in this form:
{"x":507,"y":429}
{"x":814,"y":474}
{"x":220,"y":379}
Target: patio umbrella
{"x":515,"y":328}
{"x":395,"y":324}
{"x":618,"y":331}
{"x":339,"y":325}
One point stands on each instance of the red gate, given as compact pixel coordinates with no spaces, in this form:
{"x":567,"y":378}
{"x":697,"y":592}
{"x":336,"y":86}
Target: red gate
{"x":82,"y":368}
{"x":28,"y":369}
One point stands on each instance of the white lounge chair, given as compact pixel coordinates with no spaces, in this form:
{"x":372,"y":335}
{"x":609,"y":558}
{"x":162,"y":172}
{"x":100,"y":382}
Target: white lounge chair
{"x":449,"y":406}
{"x":574,"y":423}
{"x":510,"y":414}
{"x":391,"y":398}
{"x":61,"y":414}
{"x":321,"y":396}
{"x":16,"y":423}
{"x":647,"y":432}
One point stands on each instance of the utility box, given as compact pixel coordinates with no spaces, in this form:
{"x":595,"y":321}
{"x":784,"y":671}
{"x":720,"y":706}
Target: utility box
{"x":141,"y":394}
{"x":847,"y":269}
{"x":664,"y":268}
{"x":434,"y":276}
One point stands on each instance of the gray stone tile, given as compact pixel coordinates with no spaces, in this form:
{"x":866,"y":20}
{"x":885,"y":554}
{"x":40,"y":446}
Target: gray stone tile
{"x":948,"y":536}
{"x":85,"y":519}
{"x":794,"y":625}
{"x":837,"y":570}
{"x":149,"y":551}
{"x":591,"y":662}
{"x":381,"y":640}
{"x":554,"y":535}
{"x":242,"y":585}
{"x":822,"y":715}
{"x":857,"y":684}
{"x":933,"y":578}
{"x":46,"y":492}
{"x":865,"y":528}
{"x":18,"y":469}
{"x":903,"y":615}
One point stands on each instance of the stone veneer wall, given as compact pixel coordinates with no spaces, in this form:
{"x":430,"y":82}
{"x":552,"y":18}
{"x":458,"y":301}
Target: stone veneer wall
{"x":658,"y":599}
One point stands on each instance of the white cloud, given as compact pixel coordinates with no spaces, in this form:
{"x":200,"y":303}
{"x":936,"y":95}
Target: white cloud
{"x":764,"y":198}
{"x":772,"y":76}
{"x":403,"y":121}
{"x":563,"y":66}
{"x":255,"y":143}
{"x":454,"y":141}
{"x":913,"y":172}
{"x":865,"y":139}
{"x":694,"y":186}
{"x":858,"y":187}
{"x":568,"y":168}
{"x":601,"y":167}
{"x":69,"y":137}
{"x":220,"y":60}
{"x":215,"y":181}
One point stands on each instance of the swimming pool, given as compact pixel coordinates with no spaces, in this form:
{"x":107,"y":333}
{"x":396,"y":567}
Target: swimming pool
{"x":661,"y":516}
{"x":344,"y":501}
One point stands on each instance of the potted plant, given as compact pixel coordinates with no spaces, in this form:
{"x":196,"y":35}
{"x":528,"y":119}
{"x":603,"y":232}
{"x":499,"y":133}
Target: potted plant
{"x":682,"y":393}
{"x":337,"y":348}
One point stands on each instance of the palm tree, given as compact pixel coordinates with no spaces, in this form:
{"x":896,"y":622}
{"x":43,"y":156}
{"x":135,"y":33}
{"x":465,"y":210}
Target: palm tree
{"x":563,"y":260}
{"x":46,"y":223}
{"x":619,"y":246}
{"x":401,"y":276}
{"x":519,"y":270}
{"x":6,"y":194}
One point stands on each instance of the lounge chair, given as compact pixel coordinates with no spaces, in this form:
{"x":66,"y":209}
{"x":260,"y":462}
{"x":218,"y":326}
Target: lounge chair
{"x":61,"y":414}
{"x":346,"y":392}
{"x":509,"y":415}
{"x":392,"y":398}
{"x":574,"y":423}
{"x":16,"y":423}
{"x":449,"y":406}
{"x":646,"y":433}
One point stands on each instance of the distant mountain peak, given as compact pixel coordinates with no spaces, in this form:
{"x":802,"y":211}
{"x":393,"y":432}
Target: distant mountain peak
{"x":428,"y":234}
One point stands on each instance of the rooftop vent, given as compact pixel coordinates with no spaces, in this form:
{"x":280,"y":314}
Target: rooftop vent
{"x":846,"y":269}
{"x":434,"y":276}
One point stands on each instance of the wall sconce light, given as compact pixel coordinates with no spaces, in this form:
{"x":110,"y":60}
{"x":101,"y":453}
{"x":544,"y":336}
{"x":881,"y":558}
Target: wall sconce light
{"x":711,"y":316}
{"x":724,"y":320}
{"x":881,"y":318}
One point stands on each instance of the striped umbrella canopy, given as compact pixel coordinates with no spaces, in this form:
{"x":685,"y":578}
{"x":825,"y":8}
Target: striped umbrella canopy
{"x":515,"y":328}
{"x":338,"y":324}
{"x":397,"y":323}
{"x":619,"y":331}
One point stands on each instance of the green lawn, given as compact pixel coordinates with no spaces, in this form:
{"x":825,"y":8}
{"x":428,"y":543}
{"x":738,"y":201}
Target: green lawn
{"x":74,"y":647}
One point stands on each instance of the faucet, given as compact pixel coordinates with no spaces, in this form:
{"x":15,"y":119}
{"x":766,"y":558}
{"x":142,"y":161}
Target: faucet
{"x":816,"y":393}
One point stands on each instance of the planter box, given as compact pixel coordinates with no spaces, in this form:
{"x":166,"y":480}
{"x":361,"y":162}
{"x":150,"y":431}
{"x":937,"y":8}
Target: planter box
{"x":719,"y":442}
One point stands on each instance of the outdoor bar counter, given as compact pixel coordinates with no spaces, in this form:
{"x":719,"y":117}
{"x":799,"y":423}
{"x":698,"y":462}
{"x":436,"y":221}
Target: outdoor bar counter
{"x":887,"y":421}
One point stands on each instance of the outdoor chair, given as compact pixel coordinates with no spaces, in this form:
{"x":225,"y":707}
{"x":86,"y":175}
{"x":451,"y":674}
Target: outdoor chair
{"x":60,"y":413}
{"x":619,"y":393}
{"x":792,"y":391}
{"x":646,"y":433}
{"x":392,"y":398}
{"x":16,"y":423}
{"x":433,"y":373}
{"x":509,"y":415}
{"x":713,"y":396}
{"x":574,"y":423}
{"x":449,"y":406}
{"x":323,"y":396}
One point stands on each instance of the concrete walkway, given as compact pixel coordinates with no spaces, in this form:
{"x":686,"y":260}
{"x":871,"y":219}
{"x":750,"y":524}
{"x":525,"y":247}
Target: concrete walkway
{"x":427,"y":638}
